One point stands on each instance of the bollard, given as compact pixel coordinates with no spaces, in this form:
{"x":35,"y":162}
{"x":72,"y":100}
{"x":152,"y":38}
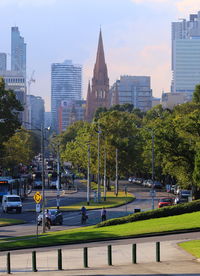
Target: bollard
{"x":134,"y":254}
{"x":109,"y":254}
{"x":59,"y":259}
{"x":34,"y":268}
{"x":8,"y":263}
{"x":85,"y":257}
{"x":157,"y":251}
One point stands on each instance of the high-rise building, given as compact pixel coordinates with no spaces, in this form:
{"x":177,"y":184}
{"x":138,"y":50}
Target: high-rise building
{"x":66,"y":84}
{"x":35,"y":112}
{"x":186,"y":55}
{"x":98,"y":92}
{"x":70,"y":112}
{"x":18,"y":52}
{"x":15,"y":81}
{"x":134,"y":90}
{"x":3,"y":62}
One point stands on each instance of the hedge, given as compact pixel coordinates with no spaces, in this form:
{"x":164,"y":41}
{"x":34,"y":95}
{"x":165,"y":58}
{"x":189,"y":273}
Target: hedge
{"x":179,"y":209}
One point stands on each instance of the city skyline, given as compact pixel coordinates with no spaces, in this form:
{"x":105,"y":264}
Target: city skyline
{"x":136,"y":37}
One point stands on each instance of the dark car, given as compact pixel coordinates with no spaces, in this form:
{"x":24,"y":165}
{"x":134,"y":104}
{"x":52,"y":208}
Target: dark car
{"x":157,"y":185}
{"x":167,"y":201}
{"x":56,"y":217}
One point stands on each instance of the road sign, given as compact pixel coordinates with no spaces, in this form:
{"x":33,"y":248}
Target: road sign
{"x":37,"y":208}
{"x":153,"y":193}
{"x":37,"y":197}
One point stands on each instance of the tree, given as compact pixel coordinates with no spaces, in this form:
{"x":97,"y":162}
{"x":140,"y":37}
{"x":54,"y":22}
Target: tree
{"x":196,"y":94}
{"x":9,"y":110}
{"x":20,"y":149}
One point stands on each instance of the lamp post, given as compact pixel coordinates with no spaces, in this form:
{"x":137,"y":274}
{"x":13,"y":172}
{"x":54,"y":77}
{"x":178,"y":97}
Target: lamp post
{"x":58,"y":178}
{"x":98,"y":170}
{"x":152,"y":191}
{"x":116,"y":173}
{"x":104,"y":183}
{"x":43,"y":179}
{"x":88,"y":176}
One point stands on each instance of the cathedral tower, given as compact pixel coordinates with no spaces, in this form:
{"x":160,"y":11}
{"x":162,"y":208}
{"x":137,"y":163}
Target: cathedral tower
{"x":98,"y":92}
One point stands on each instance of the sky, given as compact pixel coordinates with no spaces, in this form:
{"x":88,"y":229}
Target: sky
{"x":136,"y":37}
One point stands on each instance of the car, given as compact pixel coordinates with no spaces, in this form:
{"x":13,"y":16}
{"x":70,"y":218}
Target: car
{"x":130,"y":179}
{"x":56,"y":217}
{"x":11,"y":202}
{"x":185,"y":193}
{"x":167,"y":201}
{"x":157,"y":185}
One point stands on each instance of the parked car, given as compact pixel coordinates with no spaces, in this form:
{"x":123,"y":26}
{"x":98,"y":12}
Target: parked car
{"x":185,"y":193}
{"x":167,"y":201}
{"x":130,"y":179}
{"x":56,"y":217}
{"x":157,"y":185}
{"x":149,"y":183}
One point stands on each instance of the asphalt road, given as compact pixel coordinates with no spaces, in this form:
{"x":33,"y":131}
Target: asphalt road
{"x":72,"y":219}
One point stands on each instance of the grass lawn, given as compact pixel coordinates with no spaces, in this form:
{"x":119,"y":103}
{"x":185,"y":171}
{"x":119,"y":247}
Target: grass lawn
{"x":6,"y":222}
{"x":92,"y":233}
{"x":111,"y":201}
{"x":193,"y":247}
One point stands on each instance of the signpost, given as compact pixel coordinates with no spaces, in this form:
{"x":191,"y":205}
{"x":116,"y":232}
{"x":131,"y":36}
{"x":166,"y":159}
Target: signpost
{"x":37,"y":197}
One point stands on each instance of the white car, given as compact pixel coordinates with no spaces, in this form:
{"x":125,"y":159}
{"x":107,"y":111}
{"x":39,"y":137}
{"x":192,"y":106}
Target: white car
{"x":11,"y":202}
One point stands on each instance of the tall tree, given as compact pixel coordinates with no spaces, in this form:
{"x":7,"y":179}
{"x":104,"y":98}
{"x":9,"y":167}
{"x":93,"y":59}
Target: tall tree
{"x":196,"y":94}
{"x":9,"y":108}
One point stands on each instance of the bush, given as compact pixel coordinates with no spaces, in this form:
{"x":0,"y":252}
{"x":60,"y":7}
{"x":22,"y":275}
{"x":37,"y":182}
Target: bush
{"x":190,"y":207}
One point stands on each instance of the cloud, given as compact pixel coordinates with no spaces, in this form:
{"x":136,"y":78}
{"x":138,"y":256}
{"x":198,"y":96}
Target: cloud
{"x":188,"y":6}
{"x":183,"y":6}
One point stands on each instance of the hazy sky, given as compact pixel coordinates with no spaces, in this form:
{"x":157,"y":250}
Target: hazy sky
{"x":136,"y":36}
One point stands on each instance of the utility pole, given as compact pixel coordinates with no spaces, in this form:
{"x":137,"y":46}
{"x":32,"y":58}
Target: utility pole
{"x":104,"y":183}
{"x":88,"y":176}
{"x":153,"y":191}
{"x":58,"y":178}
{"x":116,"y":173}
{"x":98,"y":170}
{"x":43,"y":179}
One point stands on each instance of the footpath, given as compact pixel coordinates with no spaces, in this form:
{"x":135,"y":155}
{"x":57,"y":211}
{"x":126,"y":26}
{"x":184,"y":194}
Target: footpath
{"x":173,"y":260}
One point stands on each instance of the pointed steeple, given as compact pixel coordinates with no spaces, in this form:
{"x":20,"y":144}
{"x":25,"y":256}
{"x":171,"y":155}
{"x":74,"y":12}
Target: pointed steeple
{"x":98,"y":92}
{"x":100,"y":68}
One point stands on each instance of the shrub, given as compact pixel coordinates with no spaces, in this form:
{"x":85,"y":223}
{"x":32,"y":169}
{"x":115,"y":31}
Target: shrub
{"x":190,"y":207}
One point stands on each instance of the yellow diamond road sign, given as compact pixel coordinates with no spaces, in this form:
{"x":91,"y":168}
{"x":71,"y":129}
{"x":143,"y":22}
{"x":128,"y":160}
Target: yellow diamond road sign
{"x":37,"y":197}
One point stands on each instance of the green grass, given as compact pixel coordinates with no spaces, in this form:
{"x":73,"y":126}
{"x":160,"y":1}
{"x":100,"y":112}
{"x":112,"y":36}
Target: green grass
{"x":193,"y":247}
{"x":6,"y":222}
{"x":111,"y":201}
{"x":92,"y":233}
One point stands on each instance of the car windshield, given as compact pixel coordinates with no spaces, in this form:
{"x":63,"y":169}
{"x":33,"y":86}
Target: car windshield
{"x":13,"y":199}
{"x":53,"y":212}
{"x":166,"y":200}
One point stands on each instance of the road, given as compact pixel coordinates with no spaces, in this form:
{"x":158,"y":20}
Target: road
{"x":72,"y":219}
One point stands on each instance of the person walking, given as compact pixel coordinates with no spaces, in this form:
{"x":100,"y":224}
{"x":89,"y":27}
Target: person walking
{"x":103,"y":214}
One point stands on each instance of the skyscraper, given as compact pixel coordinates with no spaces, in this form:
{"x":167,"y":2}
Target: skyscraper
{"x":66,"y":84}
{"x":186,"y":55}
{"x":134,"y":90}
{"x":18,"y":52}
{"x":3,"y":62}
{"x":98,"y":93}
{"x":36,"y":111}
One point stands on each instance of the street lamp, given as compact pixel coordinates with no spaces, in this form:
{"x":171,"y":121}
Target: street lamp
{"x":116,"y":173}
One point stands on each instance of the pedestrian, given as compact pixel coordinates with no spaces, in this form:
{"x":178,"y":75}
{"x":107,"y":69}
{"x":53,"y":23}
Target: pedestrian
{"x":103,"y":214}
{"x":48,"y":219}
{"x":84,"y":216}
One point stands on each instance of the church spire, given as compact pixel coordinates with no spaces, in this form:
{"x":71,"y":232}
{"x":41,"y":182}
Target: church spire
{"x":100,"y":68}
